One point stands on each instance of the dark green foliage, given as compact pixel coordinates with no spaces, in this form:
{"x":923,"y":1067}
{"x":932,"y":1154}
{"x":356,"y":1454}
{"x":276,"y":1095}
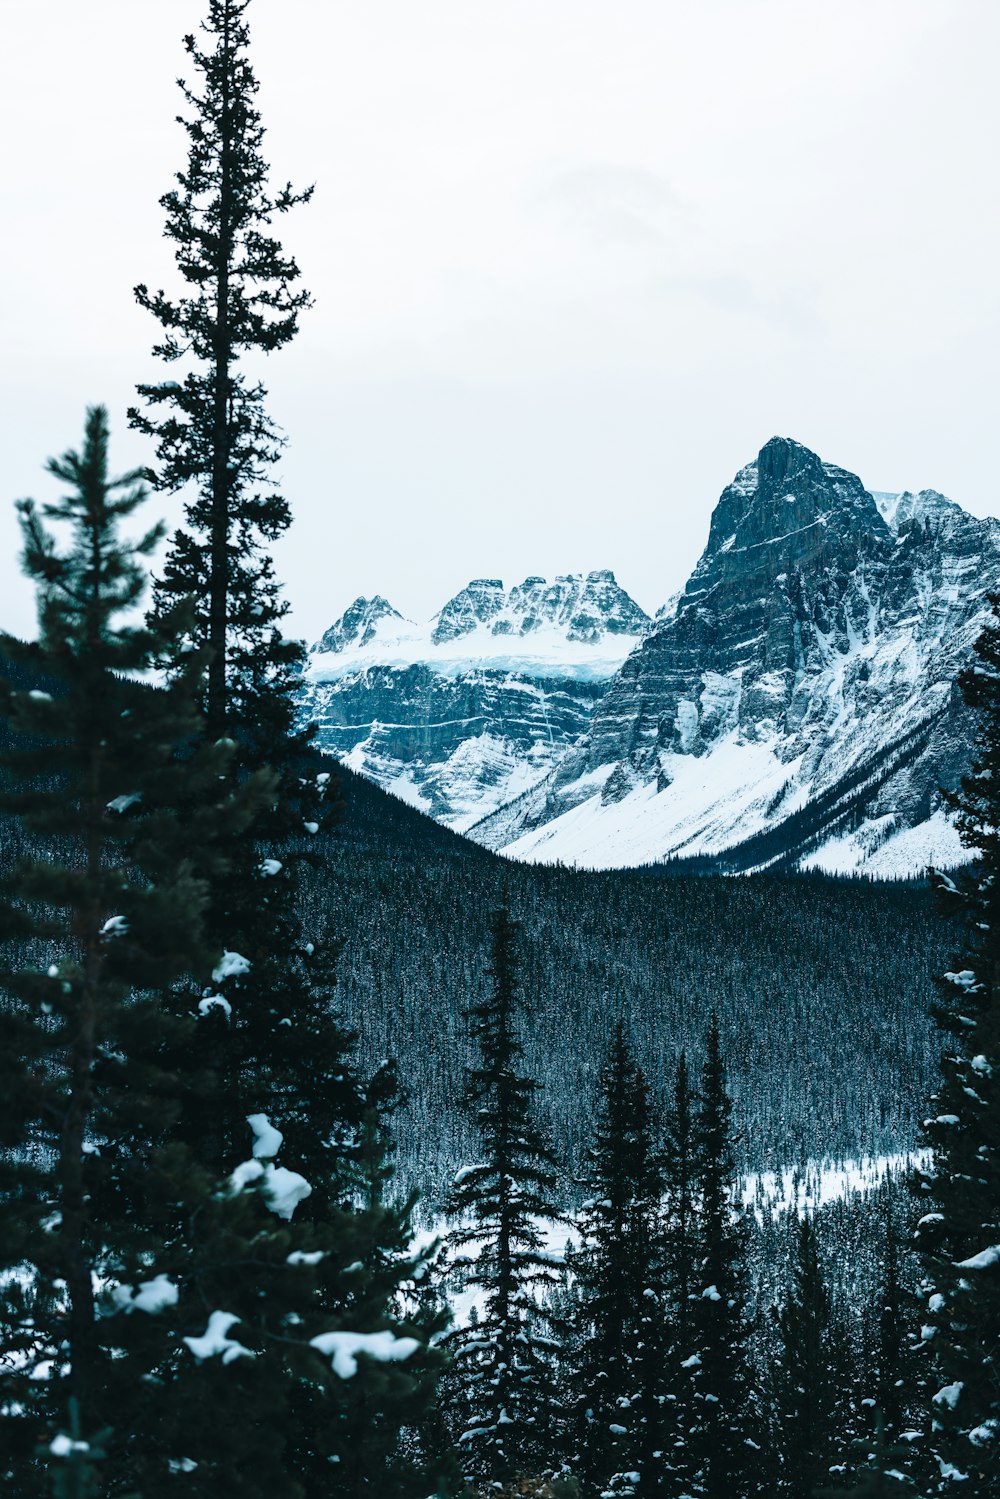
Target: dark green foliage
{"x":682,"y":1247}
{"x":214,"y":437}
{"x":504,"y":1409}
{"x":894,"y":1363}
{"x":805,"y":1379}
{"x":75,"y":1461}
{"x":100,"y":916}
{"x":119,"y":1250}
{"x":959,"y":1229}
{"x":882,"y":1466}
{"x":726,"y":1423}
{"x":620,"y":1331}
{"x":275,"y":1043}
{"x":680,"y":1162}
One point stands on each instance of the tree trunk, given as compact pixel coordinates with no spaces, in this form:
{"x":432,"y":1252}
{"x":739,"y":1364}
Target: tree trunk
{"x":218,"y":615}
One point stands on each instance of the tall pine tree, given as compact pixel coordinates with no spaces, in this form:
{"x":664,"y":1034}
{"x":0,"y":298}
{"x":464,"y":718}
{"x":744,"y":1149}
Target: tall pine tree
{"x":619,"y":1271}
{"x":100,"y":916}
{"x":216,"y":443}
{"x":168,"y":1320}
{"x":274,"y":1040}
{"x":503,"y":1362}
{"x":804,"y":1382}
{"x":212,"y":429}
{"x":959,"y":1231}
{"x":682,"y":1248}
{"x":725,"y":1405}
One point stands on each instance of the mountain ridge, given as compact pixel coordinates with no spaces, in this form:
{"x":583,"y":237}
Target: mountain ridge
{"x":795,"y":701}
{"x":462,"y":713}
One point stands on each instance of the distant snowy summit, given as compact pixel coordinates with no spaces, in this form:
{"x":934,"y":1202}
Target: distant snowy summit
{"x":583,"y":624}
{"x":794,"y":706}
{"x":465,"y":712}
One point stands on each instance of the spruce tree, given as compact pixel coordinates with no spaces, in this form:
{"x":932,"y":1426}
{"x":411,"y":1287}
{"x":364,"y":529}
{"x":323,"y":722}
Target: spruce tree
{"x":680,"y":1181}
{"x":725,"y":1404}
{"x":273,"y":1039}
{"x":212,"y":429}
{"x":216,"y":442}
{"x":893,"y":1362}
{"x":881,"y":1470}
{"x":682,"y":1248}
{"x":619,"y":1271}
{"x":804,"y":1384}
{"x":503,"y":1361}
{"x":99,"y":917}
{"x":959,"y":1229}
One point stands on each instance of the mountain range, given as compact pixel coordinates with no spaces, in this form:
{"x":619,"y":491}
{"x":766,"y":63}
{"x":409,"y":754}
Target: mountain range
{"x":795,"y":706}
{"x":461,"y":715}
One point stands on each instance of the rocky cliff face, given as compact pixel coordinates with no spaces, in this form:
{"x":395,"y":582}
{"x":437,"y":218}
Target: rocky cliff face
{"x":797,"y":701}
{"x":463,"y":714}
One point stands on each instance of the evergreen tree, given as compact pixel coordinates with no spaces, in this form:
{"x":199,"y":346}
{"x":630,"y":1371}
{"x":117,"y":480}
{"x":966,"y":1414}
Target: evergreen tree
{"x":959,"y":1231}
{"x":619,"y":1269}
{"x":212,"y":429}
{"x":805,"y":1378}
{"x":100,"y":915}
{"x":215,"y":439}
{"x":892,"y":1353}
{"x":682,"y":1248}
{"x":680,"y":1181}
{"x":126,"y":1265}
{"x":725,"y":1406}
{"x":377,"y":1451}
{"x":504,"y":1359}
{"x":881,"y":1470}
{"x":274,"y":1040}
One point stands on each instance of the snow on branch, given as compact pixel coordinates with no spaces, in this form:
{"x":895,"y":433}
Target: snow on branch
{"x":343,"y":1349}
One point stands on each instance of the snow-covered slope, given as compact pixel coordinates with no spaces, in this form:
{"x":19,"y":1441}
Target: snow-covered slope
{"x":464,"y":713}
{"x":797,"y":703}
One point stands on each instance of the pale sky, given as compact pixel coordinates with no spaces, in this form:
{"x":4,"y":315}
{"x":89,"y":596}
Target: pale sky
{"x":574,"y":262}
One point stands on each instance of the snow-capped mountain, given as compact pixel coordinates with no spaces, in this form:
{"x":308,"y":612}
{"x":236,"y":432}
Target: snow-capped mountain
{"x":464,"y":713}
{"x":797,"y":702}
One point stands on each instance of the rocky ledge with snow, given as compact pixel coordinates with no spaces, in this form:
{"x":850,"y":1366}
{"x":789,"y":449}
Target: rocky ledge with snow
{"x":464,"y":713}
{"x":797,"y":704}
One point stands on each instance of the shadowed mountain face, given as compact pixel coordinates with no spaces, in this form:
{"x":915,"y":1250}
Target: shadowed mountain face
{"x":797,"y":702}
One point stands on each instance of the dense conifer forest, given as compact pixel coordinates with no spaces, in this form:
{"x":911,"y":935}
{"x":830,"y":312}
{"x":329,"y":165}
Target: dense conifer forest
{"x":824,"y":1061}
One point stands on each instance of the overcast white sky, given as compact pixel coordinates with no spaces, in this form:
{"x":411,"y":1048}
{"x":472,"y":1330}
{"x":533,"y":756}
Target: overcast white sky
{"x":574,"y":262}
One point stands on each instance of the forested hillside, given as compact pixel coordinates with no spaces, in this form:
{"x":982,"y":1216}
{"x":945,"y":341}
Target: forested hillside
{"x":821,"y":986}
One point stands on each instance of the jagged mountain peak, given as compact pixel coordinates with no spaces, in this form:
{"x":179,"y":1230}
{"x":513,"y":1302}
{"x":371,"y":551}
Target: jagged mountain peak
{"x":901,"y":511}
{"x":476,"y":604}
{"x":782,"y":456}
{"x":783,"y":494}
{"x":462,"y":713}
{"x":583,"y":606}
{"x":798,"y":701}
{"x":357,"y":626}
